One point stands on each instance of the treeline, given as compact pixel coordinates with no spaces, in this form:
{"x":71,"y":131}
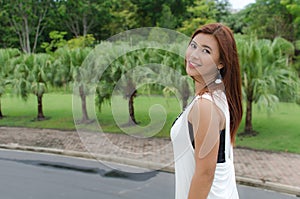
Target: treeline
{"x":108,"y":66}
{"x":122,"y":68}
{"x":27,"y":24}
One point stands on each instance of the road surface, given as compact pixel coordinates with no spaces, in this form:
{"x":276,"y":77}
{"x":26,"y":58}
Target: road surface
{"x":28,"y":175}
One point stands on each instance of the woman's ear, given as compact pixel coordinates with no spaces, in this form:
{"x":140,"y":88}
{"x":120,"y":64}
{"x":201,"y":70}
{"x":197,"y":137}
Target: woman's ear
{"x":220,"y":66}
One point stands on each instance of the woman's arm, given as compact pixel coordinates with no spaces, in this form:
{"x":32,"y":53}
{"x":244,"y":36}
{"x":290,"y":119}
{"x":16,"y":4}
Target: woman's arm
{"x":207,"y":121}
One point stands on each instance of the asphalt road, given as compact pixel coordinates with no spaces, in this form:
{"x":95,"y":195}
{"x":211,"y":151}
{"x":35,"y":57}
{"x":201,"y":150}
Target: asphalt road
{"x":26,"y":175}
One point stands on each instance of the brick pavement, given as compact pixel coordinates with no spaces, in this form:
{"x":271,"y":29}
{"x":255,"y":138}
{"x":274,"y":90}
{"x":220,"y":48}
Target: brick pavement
{"x":262,"y":167}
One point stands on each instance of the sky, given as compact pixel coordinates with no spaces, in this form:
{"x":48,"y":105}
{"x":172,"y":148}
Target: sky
{"x":239,"y":4}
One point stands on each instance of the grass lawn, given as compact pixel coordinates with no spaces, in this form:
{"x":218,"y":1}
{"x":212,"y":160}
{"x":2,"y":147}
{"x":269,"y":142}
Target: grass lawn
{"x":57,"y":108}
{"x":279,"y":131}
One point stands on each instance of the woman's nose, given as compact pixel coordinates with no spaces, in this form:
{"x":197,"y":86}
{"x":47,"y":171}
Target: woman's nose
{"x":195,"y":54}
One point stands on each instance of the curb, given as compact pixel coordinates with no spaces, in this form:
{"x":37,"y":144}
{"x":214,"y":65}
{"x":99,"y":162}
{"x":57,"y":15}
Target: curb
{"x":292,"y":190}
{"x":87,"y":155}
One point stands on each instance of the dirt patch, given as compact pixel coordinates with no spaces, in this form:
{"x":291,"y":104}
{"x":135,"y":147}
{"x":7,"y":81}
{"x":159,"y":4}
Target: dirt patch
{"x":48,"y":138}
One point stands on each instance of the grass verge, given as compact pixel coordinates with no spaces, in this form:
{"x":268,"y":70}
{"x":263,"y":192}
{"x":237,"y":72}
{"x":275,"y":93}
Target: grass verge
{"x":279,"y":131}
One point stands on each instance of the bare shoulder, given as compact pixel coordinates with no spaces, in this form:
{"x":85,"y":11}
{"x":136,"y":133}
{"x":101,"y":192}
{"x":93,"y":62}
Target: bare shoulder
{"x":203,"y":105}
{"x":207,"y":110}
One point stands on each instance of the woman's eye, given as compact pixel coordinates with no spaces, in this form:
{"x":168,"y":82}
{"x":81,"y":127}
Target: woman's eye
{"x":193,"y":45}
{"x":206,"y":51}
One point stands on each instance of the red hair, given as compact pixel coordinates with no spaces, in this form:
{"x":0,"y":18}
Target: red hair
{"x":230,"y":73}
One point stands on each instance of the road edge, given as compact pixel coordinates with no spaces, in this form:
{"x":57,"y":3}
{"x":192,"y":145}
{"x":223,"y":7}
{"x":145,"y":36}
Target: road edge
{"x":150,"y":165}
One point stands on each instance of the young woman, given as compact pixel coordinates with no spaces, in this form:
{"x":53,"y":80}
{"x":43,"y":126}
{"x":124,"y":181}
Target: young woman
{"x":203,"y":135}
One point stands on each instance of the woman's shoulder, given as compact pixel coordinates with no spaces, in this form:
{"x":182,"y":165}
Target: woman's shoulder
{"x":210,"y":102}
{"x":202,"y":104}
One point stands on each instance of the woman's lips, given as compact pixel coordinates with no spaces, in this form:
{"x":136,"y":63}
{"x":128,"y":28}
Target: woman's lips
{"x":193,"y":65}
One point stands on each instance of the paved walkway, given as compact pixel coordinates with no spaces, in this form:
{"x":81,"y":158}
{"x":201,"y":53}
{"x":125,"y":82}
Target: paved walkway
{"x":277,"y":171}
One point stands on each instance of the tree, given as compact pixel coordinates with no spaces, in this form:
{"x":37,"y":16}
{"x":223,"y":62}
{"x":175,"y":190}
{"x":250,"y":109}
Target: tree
{"x":80,"y":78}
{"x":178,"y":84}
{"x":81,"y":16}
{"x":5,"y":70}
{"x":6,"y":32}
{"x":266,"y":74}
{"x":127,"y":72}
{"x":28,"y":20}
{"x":155,"y":68}
{"x":148,"y":12}
{"x":179,"y":10}
{"x":296,"y":64}
{"x":202,"y":12}
{"x":237,"y":21}
{"x":293,"y":7}
{"x":32,"y":75}
{"x":167,"y":19}
{"x":124,"y":82}
{"x":174,"y":75}
{"x":68,"y":68}
{"x":223,"y":10}
{"x":57,"y":41}
{"x":269,"y":19}
{"x":122,"y":17}
{"x":61,"y":68}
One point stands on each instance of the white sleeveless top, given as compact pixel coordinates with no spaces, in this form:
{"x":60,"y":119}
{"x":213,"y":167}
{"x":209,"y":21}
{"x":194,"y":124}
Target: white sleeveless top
{"x":224,"y":184}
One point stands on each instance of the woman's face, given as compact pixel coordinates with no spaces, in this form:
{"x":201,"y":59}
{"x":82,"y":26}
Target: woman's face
{"x":203,"y":58}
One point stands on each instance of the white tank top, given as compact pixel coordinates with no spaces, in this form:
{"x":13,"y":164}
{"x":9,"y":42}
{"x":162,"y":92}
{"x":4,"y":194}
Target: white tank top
{"x":224,"y":184}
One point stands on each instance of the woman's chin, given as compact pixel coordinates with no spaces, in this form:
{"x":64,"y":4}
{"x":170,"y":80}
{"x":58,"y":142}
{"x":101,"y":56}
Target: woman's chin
{"x":192,"y":71}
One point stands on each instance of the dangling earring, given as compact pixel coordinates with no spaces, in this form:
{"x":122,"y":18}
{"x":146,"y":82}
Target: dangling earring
{"x":219,"y":78}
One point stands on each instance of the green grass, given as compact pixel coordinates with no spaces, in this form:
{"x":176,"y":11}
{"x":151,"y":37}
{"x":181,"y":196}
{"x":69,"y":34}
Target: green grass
{"x":162,"y":111}
{"x":57,"y":108}
{"x":279,"y":131}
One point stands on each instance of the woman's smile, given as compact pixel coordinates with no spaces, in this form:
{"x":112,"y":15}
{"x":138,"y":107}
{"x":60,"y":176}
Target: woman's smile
{"x":193,"y":64}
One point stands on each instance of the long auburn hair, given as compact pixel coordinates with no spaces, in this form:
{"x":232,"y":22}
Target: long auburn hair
{"x":230,"y":73}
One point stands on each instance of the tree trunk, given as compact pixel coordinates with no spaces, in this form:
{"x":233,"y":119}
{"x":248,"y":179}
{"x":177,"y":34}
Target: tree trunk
{"x":73,"y":26}
{"x":131,"y":109}
{"x":248,"y":131}
{"x":185,"y":98}
{"x":27,"y":35}
{"x":185,"y":93}
{"x":248,"y":124}
{"x":1,"y":115}
{"x":40,"y":115}
{"x":184,"y":104}
{"x":85,"y":116}
{"x":84,"y":26}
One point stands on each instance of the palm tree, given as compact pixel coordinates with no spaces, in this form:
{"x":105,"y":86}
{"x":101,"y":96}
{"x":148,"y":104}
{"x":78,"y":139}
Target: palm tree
{"x":123,"y":78}
{"x":122,"y":75}
{"x":62,"y":66}
{"x":5,"y":56}
{"x":175,"y":79}
{"x":67,"y":68}
{"x":81,"y":77}
{"x":32,"y":73}
{"x":180,"y":85}
{"x":265,"y":74}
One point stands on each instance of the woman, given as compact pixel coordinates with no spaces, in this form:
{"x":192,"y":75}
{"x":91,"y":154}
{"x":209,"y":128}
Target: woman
{"x":203,"y":135}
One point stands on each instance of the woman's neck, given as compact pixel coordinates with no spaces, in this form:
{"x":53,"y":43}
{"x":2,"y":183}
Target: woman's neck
{"x":199,"y":87}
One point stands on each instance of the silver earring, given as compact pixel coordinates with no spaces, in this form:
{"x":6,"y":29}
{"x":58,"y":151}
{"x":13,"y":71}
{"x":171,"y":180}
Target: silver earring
{"x":219,"y":78}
